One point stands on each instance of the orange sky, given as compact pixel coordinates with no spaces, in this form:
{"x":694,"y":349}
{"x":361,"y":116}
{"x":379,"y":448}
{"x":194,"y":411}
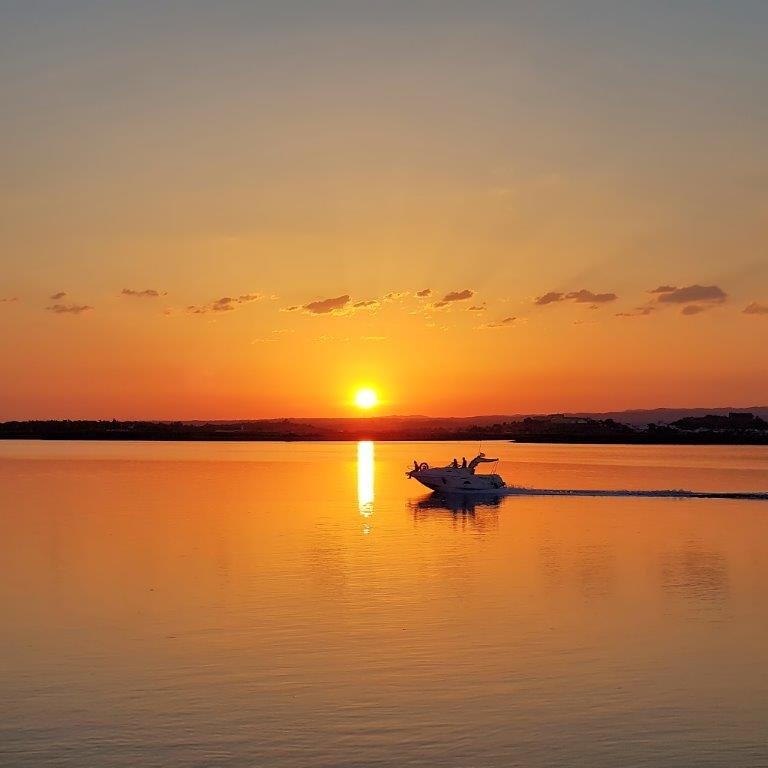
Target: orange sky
{"x":540,"y":171}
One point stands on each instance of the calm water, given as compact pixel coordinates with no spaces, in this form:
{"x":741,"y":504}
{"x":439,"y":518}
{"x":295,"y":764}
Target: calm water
{"x":307,"y":605}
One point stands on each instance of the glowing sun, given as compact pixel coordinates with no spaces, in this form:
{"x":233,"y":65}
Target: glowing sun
{"x":366,"y":398}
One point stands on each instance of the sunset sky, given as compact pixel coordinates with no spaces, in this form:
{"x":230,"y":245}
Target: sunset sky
{"x":252,"y":209}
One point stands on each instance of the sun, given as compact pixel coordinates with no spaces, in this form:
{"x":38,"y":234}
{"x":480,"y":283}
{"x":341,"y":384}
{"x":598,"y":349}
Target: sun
{"x":366,"y":398}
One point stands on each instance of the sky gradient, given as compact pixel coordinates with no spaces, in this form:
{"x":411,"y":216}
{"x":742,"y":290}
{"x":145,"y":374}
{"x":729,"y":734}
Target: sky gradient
{"x":229,"y":210}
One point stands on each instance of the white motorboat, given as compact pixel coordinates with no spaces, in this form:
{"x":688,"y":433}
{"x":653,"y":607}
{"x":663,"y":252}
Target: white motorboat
{"x":457,"y":478}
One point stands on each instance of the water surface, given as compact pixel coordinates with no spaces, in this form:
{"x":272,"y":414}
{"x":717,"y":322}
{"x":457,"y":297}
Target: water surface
{"x":304,"y":604}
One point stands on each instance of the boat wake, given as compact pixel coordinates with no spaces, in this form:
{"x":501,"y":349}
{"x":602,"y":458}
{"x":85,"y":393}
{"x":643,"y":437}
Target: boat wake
{"x":651,"y":494}
{"x":462,"y":479}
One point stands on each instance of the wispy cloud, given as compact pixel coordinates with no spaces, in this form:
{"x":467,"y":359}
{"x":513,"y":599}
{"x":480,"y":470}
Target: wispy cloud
{"x":396,"y":295}
{"x":147,"y":293}
{"x":324,"y":338}
{"x":224,"y":304}
{"x":69,"y":309}
{"x":755,"y":309}
{"x":638,"y":312}
{"x":57,"y":296}
{"x":454,"y":296}
{"x":274,"y":335}
{"x":423,"y":294}
{"x":332,"y":306}
{"x":548,"y":298}
{"x":582,"y":296}
{"x":588,"y":297}
{"x":505,"y":323}
{"x":477,"y":308}
{"x":344,"y":305}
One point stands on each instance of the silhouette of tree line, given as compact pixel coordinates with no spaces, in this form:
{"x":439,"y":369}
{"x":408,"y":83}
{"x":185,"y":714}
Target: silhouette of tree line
{"x":735,"y":428}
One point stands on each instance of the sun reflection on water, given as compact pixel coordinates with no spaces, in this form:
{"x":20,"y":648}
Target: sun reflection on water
{"x":365,"y":479}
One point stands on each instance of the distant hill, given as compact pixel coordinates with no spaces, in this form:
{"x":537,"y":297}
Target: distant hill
{"x":641,"y":417}
{"x":663,"y":425}
{"x":634,"y":418}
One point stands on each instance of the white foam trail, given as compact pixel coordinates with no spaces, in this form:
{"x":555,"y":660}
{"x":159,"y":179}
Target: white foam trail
{"x":665,"y":494}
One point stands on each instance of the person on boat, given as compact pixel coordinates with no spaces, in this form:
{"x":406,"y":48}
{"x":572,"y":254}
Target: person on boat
{"x":455,"y":463}
{"x":415,"y":465}
{"x":479,"y":459}
{"x":463,"y":462}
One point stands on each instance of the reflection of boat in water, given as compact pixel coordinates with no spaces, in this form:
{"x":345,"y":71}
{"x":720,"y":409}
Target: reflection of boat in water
{"x":458,"y":503}
{"x":468,"y":511}
{"x":457,"y":478}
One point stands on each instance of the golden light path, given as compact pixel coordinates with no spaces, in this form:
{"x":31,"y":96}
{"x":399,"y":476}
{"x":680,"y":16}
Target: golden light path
{"x":365,"y":479}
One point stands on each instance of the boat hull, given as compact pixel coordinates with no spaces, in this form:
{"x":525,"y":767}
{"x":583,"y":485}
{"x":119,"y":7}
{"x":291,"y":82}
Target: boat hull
{"x":449,"y":480}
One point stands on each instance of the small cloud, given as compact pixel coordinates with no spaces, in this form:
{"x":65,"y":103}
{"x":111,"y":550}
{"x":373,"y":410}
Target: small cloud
{"x":423,"y":294}
{"x":477,"y":308}
{"x":366,"y":304}
{"x":57,"y":296}
{"x":755,"y":309}
{"x":454,"y":296}
{"x":294,"y":308}
{"x":147,"y":293}
{"x":396,"y":296}
{"x":69,"y":309}
{"x":695,"y":298}
{"x":274,"y":335}
{"x":579,"y":297}
{"x":224,"y":304}
{"x":327,"y":306}
{"x":639,"y":312}
{"x":324,"y":338}
{"x":548,"y":298}
{"x":691,"y":293}
{"x":8,"y":299}
{"x":587,"y":297}
{"x":505,"y":323}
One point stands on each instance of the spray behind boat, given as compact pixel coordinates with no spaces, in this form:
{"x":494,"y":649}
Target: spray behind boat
{"x":462,"y":478}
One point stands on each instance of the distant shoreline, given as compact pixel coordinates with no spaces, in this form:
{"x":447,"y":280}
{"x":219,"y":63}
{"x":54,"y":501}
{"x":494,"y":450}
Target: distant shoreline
{"x":732,"y":428}
{"x":462,"y":437}
{"x":349,"y":439}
